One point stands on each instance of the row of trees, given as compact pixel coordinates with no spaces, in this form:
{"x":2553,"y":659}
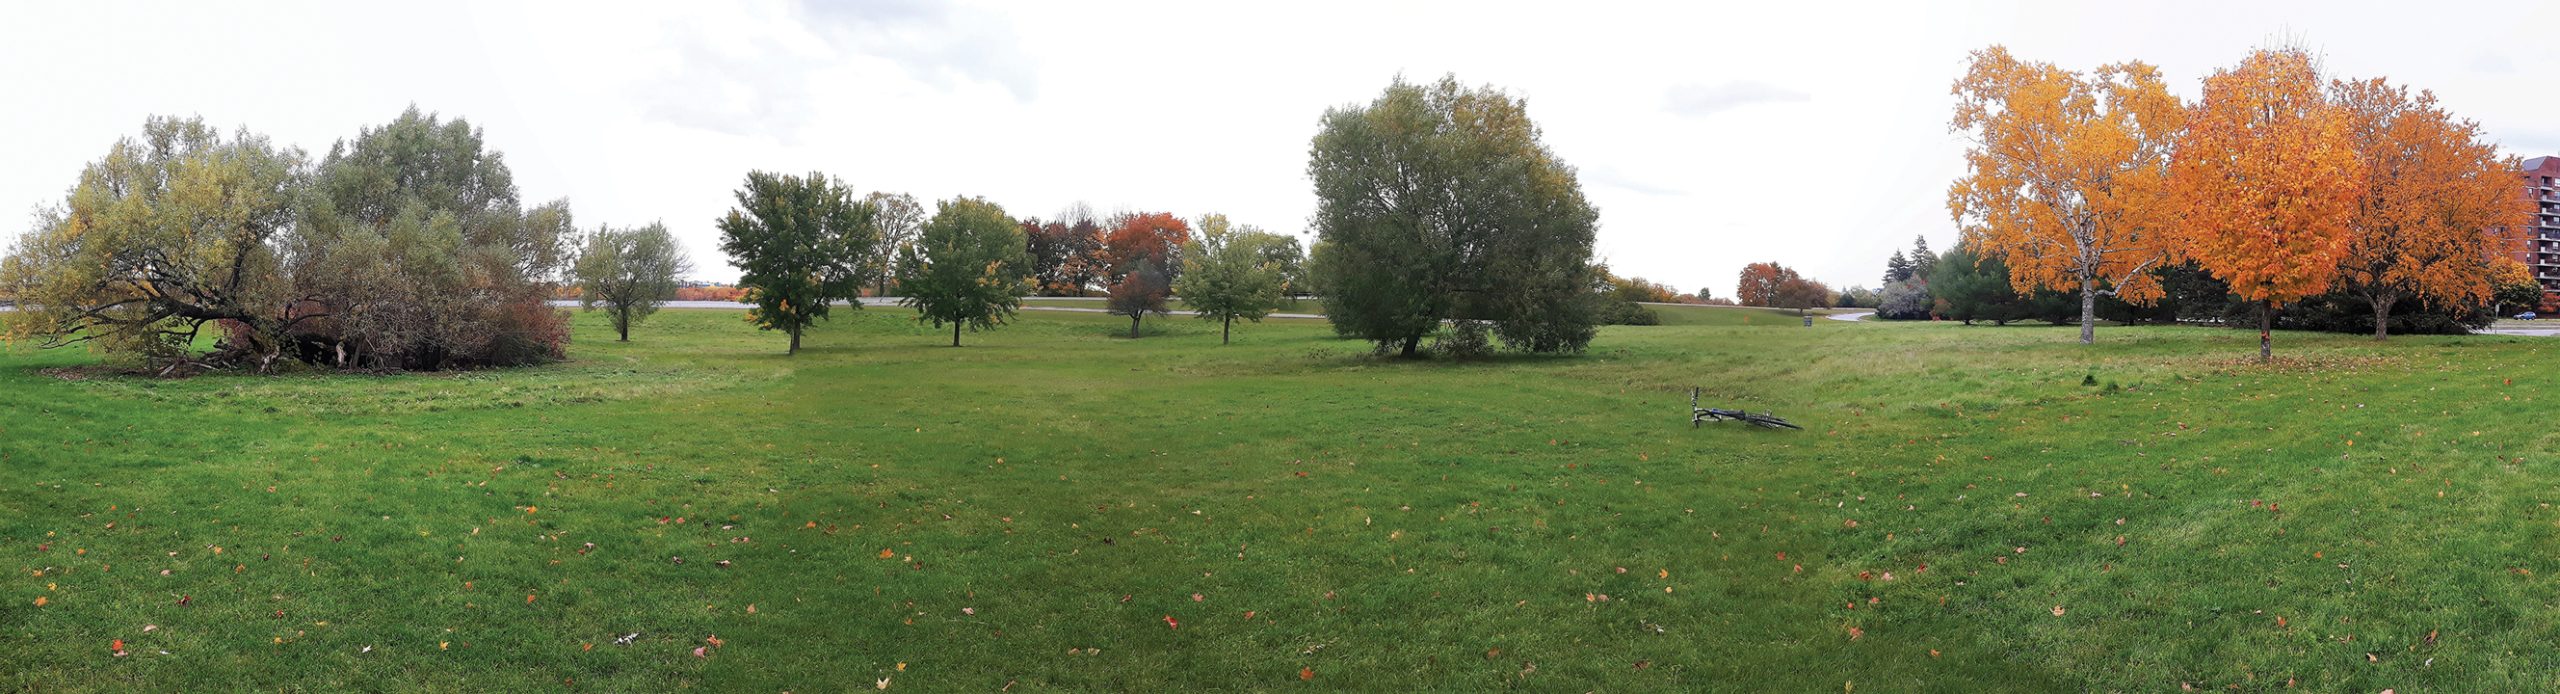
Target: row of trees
{"x":406,"y":246}
{"x":804,"y":243}
{"x":1079,"y":252}
{"x":2280,"y":183}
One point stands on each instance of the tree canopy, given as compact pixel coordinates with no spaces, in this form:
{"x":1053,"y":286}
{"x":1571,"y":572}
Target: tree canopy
{"x":2067,"y":175}
{"x":900,"y":218}
{"x":1144,"y":253}
{"x":171,"y":231}
{"x":2269,"y":178}
{"x":629,"y":272}
{"x":2432,"y":185}
{"x":800,"y":243}
{"x":1439,"y":202}
{"x":968,"y":267}
{"x":1230,"y":272}
{"x":417,"y":230}
{"x":1760,"y":282}
{"x":1968,"y":286}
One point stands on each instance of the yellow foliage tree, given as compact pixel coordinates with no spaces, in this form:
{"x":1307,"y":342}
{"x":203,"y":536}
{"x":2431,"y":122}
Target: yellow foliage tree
{"x":2432,"y":190}
{"x":2067,"y":176}
{"x":2270,"y":179}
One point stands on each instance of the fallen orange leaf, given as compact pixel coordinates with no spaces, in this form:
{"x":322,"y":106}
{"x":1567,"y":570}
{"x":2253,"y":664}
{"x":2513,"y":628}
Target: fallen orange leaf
{"x":1306,"y":674}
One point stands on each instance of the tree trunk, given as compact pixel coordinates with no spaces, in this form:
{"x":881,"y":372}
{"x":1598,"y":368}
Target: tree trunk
{"x":795,"y":342}
{"x":2382,"y":302}
{"x":1133,"y":325}
{"x":1226,"y":330}
{"x":955,"y":333}
{"x":622,"y":323}
{"x":1410,"y":343}
{"x":2088,"y":310}
{"x":2266,"y":327}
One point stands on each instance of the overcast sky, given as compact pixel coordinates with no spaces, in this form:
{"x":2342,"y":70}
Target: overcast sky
{"x":1709,"y":135}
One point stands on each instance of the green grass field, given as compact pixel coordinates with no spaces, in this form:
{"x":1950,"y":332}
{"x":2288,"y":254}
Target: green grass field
{"x":1056,"y":508}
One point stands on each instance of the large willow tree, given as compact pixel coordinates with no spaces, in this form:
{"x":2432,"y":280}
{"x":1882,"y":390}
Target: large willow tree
{"x":170,"y":233}
{"x":1438,"y":202}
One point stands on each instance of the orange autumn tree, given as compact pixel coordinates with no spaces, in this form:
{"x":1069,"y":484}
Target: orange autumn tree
{"x":1761,"y":282}
{"x":2431,"y":189}
{"x":2270,"y":179}
{"x":2067,"y":176}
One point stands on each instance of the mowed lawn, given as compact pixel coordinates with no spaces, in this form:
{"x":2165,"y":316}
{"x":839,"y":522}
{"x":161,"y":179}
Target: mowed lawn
{"x":1056,"y":508}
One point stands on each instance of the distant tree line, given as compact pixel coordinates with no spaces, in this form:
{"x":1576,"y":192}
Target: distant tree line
{"x":1970,"y":286}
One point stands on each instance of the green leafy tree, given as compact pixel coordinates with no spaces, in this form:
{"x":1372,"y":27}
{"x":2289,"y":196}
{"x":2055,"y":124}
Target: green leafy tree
{"x":1287,"y":260}
{"x":801,"y":243}
{"x":1897,"y":268}
{"x":1439,"y":201}
{"x":425,"y":254}
{"x":180,"y":228}
{"x":1229,"y":272}
{"x":1617,"y":299}
{"x":900,"y":218}
{"x":629,"y":272}
{"x":970,"y":267}
{"x":2512,"y":287}
{"x":1968,"y":286}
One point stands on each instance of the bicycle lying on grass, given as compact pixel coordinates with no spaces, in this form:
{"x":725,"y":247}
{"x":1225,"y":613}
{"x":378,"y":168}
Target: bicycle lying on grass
{"x":1700,"y":415}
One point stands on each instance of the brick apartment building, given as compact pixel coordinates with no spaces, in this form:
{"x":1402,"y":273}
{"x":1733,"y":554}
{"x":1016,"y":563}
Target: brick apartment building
{"x":2541,"y":249}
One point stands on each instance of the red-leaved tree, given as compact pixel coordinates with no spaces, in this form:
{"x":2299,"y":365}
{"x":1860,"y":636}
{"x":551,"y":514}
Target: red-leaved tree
{"x":1144,"y":251}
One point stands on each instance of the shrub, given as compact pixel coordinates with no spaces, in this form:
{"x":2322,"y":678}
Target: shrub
{"x":1464,"y":339}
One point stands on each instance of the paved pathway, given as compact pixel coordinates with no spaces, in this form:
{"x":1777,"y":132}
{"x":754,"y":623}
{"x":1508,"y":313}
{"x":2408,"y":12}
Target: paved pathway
{"x":1853,"y":317}
{"x":2527,"y":330}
